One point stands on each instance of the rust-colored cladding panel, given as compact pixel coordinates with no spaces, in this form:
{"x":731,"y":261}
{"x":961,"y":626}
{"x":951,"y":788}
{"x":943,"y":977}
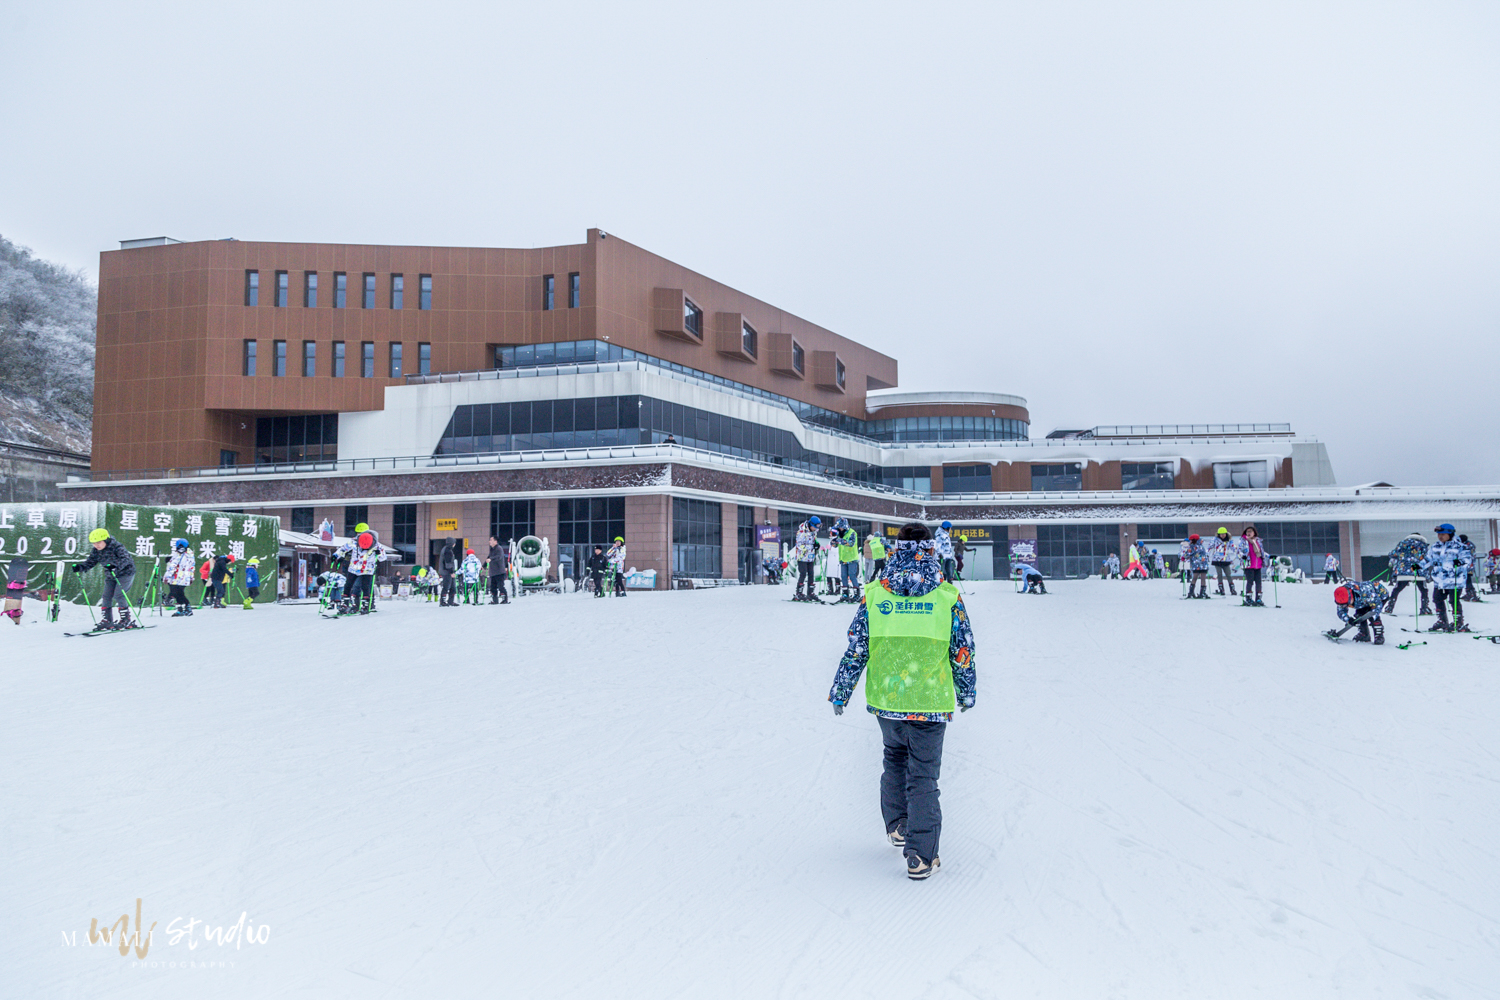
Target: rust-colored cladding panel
{"x":170,"y":391}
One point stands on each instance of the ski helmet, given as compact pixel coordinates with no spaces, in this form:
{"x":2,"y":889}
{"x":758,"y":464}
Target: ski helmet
{"x":1342,"y":596}
{"x":1222,"y":531}
{"x":1192,"y":538}
{"x":361,"y":526}
{"x":1495,"y":553}
{"x":619,"y":539}
{"x":946,"y":525}
{"x":231,"y":557}
{"x":1445,"y":529}
{"x":181,"y":544}
{"x":366,"y":540}
{"x":815,"y":519}
{"x":254,"y":562}
{"x":468,"y":552}
{"x":99,"y":535}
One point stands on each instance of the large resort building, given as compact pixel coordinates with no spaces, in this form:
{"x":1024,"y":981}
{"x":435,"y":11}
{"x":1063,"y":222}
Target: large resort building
{"x":587,"y":391}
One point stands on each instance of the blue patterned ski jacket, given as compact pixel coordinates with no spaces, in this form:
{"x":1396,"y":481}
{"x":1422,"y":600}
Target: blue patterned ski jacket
{"x":1447,"y":564}
{"x":1407,"y":555}
{"x":1197,"y":557}
{"x":911,"y":570}
{"x":1364,"y":595}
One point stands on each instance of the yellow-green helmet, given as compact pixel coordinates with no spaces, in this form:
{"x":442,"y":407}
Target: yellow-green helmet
{"x":99,"y":535}
{"x":361,"y":526}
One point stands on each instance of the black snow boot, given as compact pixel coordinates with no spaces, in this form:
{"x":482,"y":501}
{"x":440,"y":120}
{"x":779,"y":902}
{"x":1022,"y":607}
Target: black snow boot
{"x":1363,"y":635}
{"x":125,"y":621}
{"x":106,"y":620}
{"x":1379,"y":627}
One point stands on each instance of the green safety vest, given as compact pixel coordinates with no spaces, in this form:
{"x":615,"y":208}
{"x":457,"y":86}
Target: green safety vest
{"x":908,"y":669}
{"x":877,"y":548}
{"x":848,"y":546}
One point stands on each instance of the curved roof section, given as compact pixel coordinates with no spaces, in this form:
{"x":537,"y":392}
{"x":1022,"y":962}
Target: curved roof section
{"x":879,"y":400}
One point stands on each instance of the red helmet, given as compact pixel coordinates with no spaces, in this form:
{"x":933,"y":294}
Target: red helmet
{"x":366,"y":540}
{"x":1192,"y":538}
{"x":231,"y":557}
{"x":1342,"y":596}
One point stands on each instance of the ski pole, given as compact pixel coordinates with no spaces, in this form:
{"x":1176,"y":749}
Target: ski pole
{"x":1275,"y":590}
{"x":124,"y":595}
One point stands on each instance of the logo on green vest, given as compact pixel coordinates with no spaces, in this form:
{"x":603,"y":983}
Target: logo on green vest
{"x":885,"y":607}
{"x":905,"y":607}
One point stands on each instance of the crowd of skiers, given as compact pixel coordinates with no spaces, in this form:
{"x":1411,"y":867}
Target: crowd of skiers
{"x":1223,"y":553}
{"x":850,"y":565}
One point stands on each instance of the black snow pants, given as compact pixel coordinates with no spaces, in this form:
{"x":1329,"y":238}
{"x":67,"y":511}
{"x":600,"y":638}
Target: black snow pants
{"x":1252,"y":579}
{"x":179,"y":595}
{"x":1390,"y":603}
{"x":498,"y":593}
{"x":908,"y":786}
{"x":448,"y":589}
{"x":805,"y":574}
{"x":363,"y":589}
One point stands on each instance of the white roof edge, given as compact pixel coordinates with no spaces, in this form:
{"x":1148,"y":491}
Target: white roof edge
{"x":876,"y":400}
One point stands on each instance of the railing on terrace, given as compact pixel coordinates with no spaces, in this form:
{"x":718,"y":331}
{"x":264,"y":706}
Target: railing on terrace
{"x":1184,"y":430}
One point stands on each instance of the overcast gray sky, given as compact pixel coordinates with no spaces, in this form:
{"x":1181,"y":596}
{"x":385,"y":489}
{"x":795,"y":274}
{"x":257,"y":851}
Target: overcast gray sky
{"x":1126,"y":212}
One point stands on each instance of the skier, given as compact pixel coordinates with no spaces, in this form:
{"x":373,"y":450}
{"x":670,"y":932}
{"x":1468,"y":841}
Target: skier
{"x":1219,"y":555}
{"x":945,"y":549}
{"x":1159,"y":565}
{"x":179,"y":575}
{"x":848,"y":553}
{"x":1405,"y":560}
{"x":363,"y":553}
{"x":217,"y":576}
{"x":1032,"y":579}
{"x":912,"y":634}
{"x":1184,"y":558}
{"x":806,"y":553}
{"x":332,"y":582}
{"x":470,"y":568}
{"x":252,"y":582}
{"x":876,"y":545}
{"x":831,"y":561}
{"x":1469,"y":594}
{"x":1447,"y":563}
{"x":960,"y":549}
{"x":498,"y":555}
{"x":616,"y":556}
{"x":1253,"y":556}
{"x":1197,"y":560}
{"x":447,"y":566}
{"x":596,"y":565}
{"x":1361,"y":601}
{"x":1331,"y":572}
{"x":1112,"y":566}
{"x":1134,"y":566}
{"x":119,"y":574}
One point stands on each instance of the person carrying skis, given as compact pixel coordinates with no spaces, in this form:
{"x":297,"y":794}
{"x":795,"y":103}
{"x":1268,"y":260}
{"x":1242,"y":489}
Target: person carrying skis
{"x":1253,"y":556}
{"x":616,"y":557}
{"x":1469,"y":594}
{"x":1405,"y":560}
{"x":945,"y":550}
{"x":1197,"y":561}
{"x":1361,"y":601}
{"x":119,"y":574}
{"x":1219,"y":554}
{"x":252,"y":582}
{"x":912,"y":641}
{"x":470,"y":568}
{"x":806,"y":553}
{"x":498,"y":556}
{"x":178,"y":576}
{"x":364,"y":554}
{"x":597,"y":564}
{"x":1032,"y":579}
{"x":1331,"y":572}
{"x":447,"y":566}
{"x":848,"y":553}
{"x":1447,"y":563}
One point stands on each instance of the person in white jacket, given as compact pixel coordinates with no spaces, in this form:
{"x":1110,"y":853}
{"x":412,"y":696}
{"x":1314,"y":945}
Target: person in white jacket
{"x":364,"y":554}
{"x":616,"y":558}
{"x":179,"y":575}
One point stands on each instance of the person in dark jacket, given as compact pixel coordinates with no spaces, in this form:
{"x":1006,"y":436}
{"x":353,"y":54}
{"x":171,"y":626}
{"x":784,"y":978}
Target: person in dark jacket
{"x":596,"y":565}
{"x":119,"y":574}
{"x":499,"y":554}
{"x":447,"y":566}
{"x":216,"y":577}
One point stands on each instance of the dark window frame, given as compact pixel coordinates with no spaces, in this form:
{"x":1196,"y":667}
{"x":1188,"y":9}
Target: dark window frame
{"x":575,"y":284}
{"x":278,"y":358}
{"x":367,"y":290}
{"x":282,"y":289}
{"x":340,"y":355}
{"x":309,"y":358}
{"x":252,"y":287}
{"x":424,"y":291}
{"x":424,"y":359}
{"x":749,"y":339}
{"x":249,"y":357}
{"x":309,"y":289}
{"x":340,"y":289}
{"x":549,"y":291}
{"x":367,"y":359}
{"x":398,"y":291}
{"x":394,"y":357}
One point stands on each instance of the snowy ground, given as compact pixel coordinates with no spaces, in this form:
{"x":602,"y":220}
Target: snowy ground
{"x":652,"y":798}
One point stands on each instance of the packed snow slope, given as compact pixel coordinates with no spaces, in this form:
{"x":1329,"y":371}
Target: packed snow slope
{"x":651,"y":797}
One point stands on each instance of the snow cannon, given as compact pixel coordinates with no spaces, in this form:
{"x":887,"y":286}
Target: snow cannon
{"x":530,"y":563}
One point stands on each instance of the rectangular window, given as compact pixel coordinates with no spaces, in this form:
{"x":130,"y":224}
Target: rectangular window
{"x":355,"y":514}
{"x":424,"y":292}
{"x":367,"y":359}
{"x":309,"y":358}
{"x":340,"y":289}
{"x":799,"y":359}
{"x":310,"y":289}
{"x":302,"y":520}
{"x":302,"y":438}
{"x":228,"y":458}
{"x":404,"y":530}
{"x":278,"y":361}
{"x":1058,"y":476}
{"x":967,"y":479}
{"x":582,"y":523}
{"x":1146,"y":475}
{"x":573,"y":285}
{"x":398,"y":290}
{"x":252,"y":288}
{"x":697,"y":539}
{"x":1074,"y":550}
{"x":395,"y":360}
{"x":250,"y":346}
{"x":1241,"y":475}
{"x":838,"y":372}
{"x":281,"y":289}
{"x":338,"y":359}
{"x":749,"y":340}
{"x":368,"y":301}
{"x":512,"y":519}
{"x":424,"y":359}
{"x":549,"y":286}
{"x":692,"y":318}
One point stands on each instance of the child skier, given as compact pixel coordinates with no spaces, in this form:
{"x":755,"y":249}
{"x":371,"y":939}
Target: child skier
{"x":1492,"y":570}
{"x":831,"y":562}
{"x":597,"y":564}
{"x":119,"y":574}
{"x":945,"y":550}
{"x":1112,"y":566}
{"x":876,"y":545}
{"x":913,"y":637}
{"x":616,"y":557}
{"x":848,"y":553}
{"x":1405,"y":560}
{"x":470,"y":568}
{"x":179,"y":575}
{"x":1197,"y":561}
{"x":252,"y":583}
{"x":1331,"y":569}
{"x":1219,"y":554}
{"x":1361,"y":601}
{"x":1253,"y":556}
{"x":217,"y":577}
{"x":1472,"y":549}
{"x":363,"y":553}
{"x":1447,"y":563}
{"x":806,"y":553}
{"x":1032,"y":579}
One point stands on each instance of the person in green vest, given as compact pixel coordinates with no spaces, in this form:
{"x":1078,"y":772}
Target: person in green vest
{"x":912,"y":642}
{"x":875,"y":552}
{"x":849,"y":576}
